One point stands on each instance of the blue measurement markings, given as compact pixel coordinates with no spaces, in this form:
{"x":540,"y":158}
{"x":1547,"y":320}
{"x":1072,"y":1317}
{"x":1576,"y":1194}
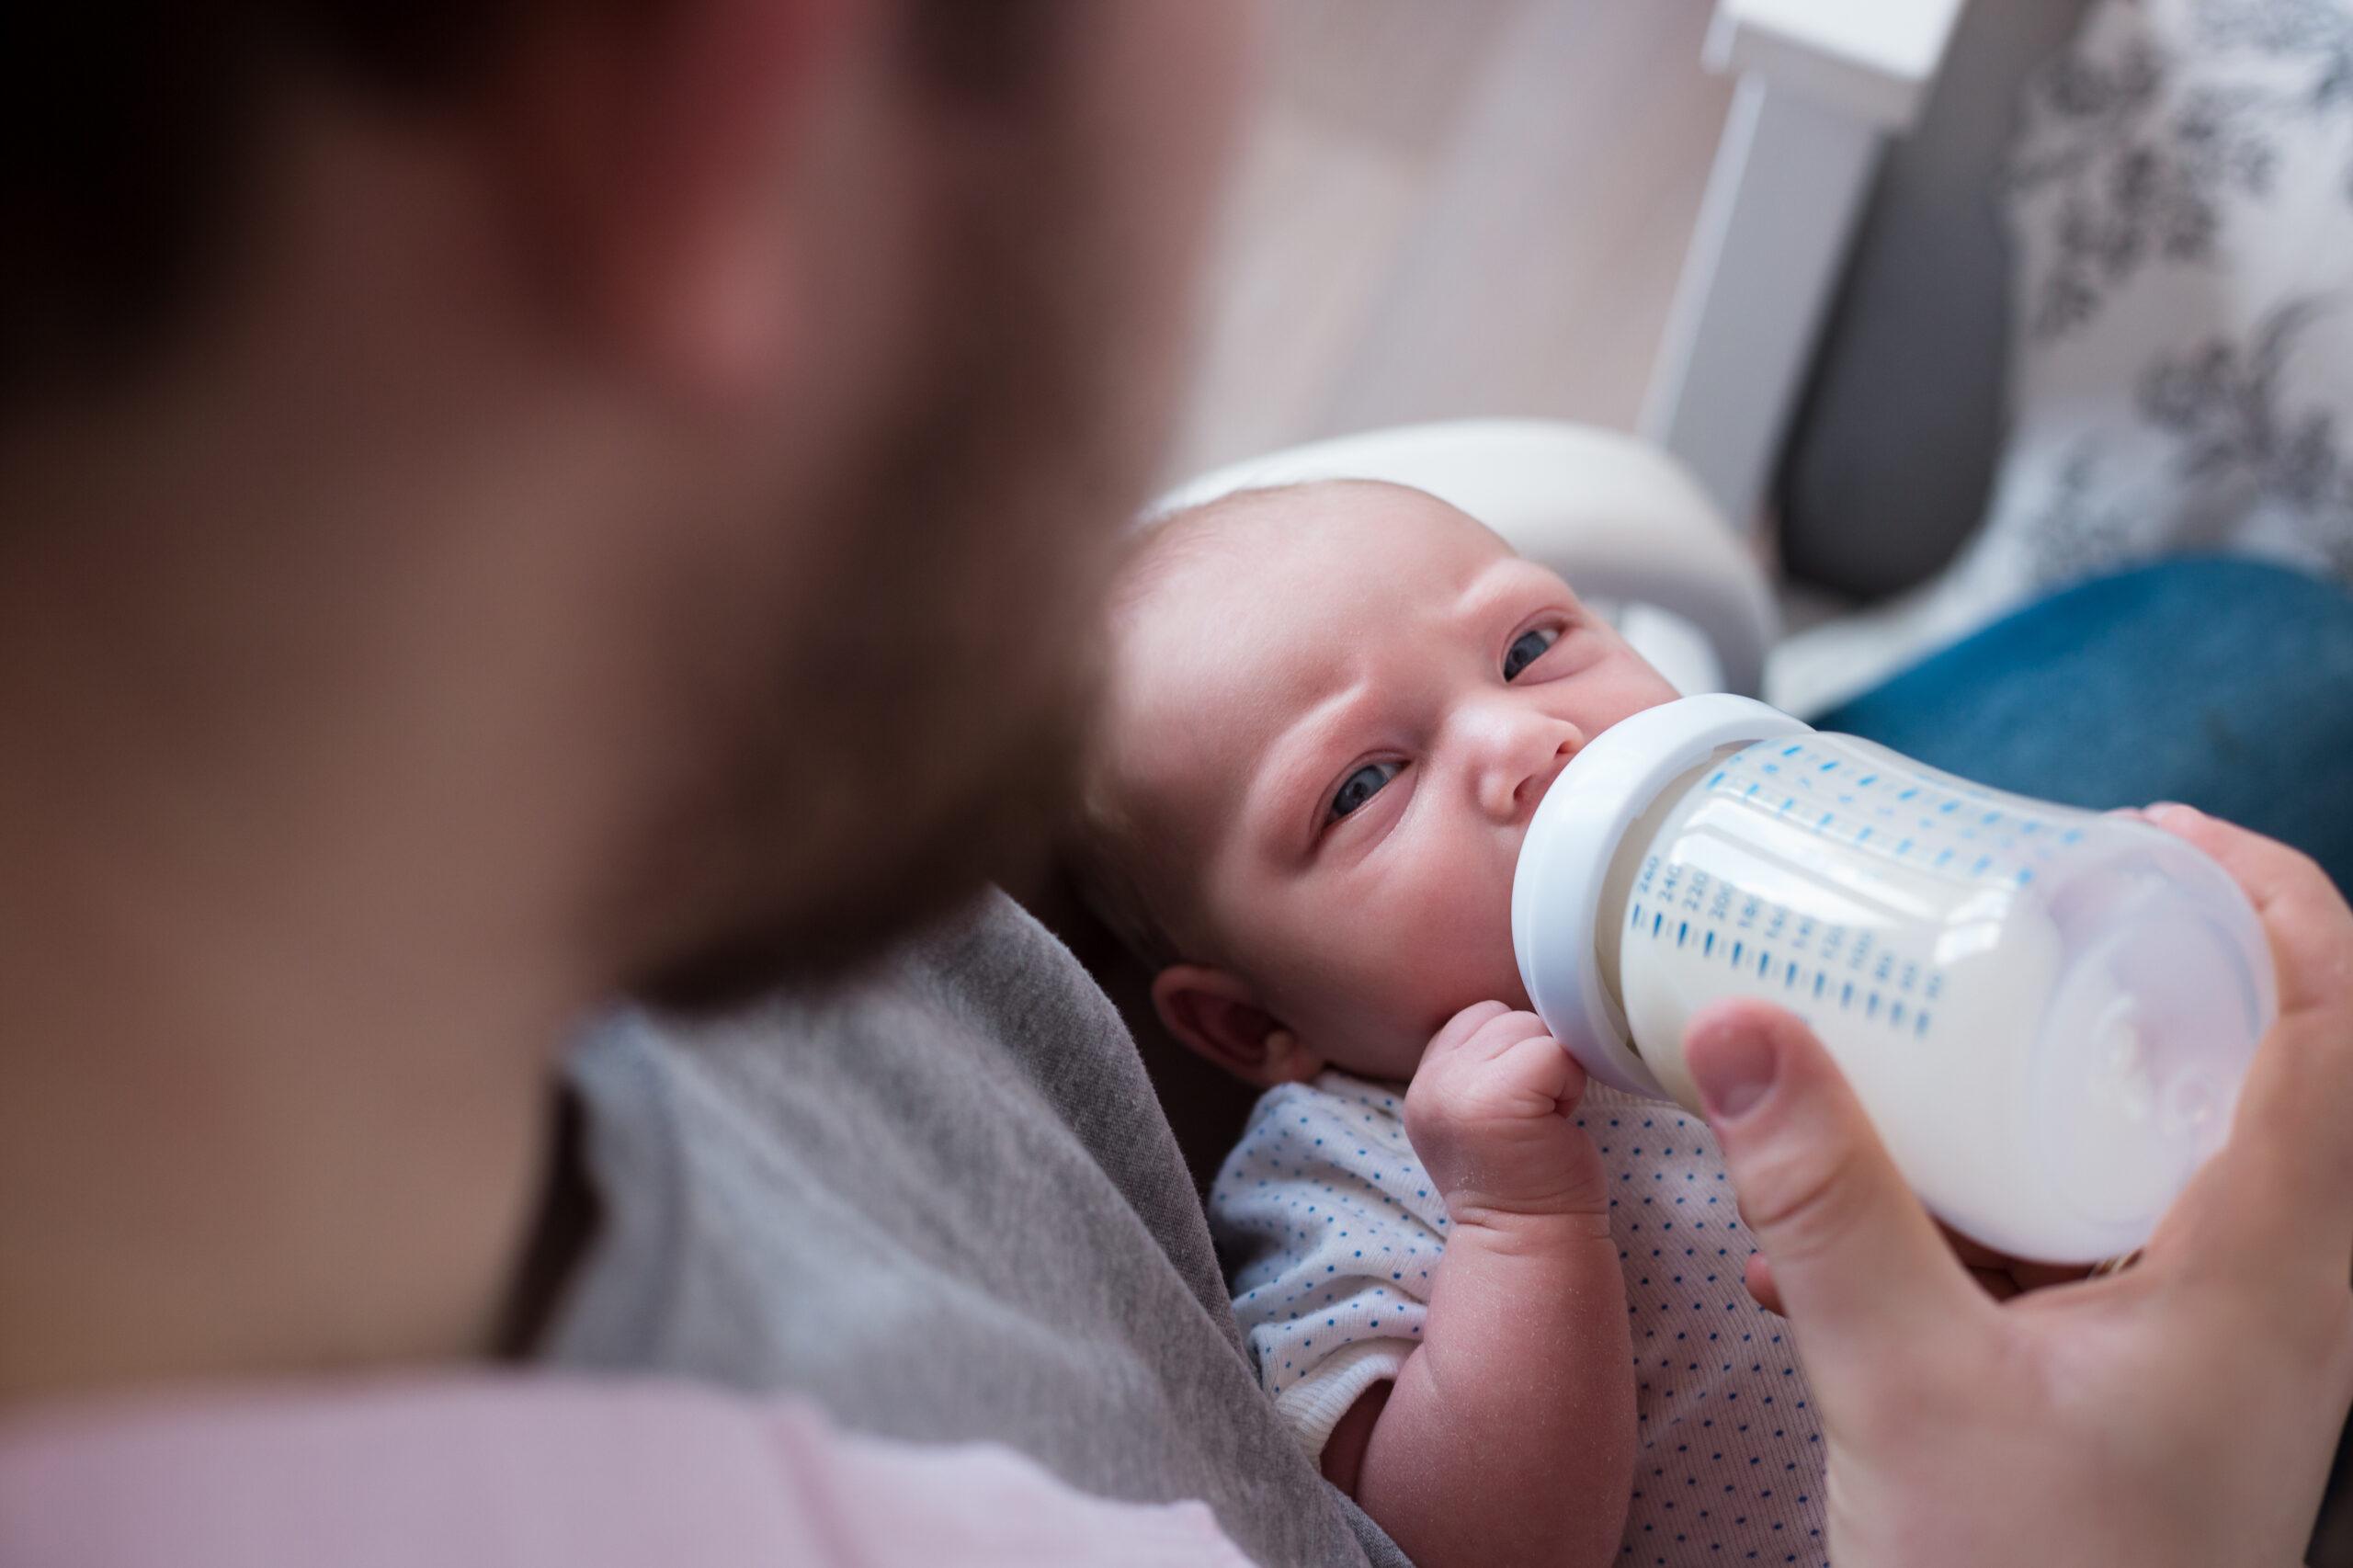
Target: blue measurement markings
{"x":1923,"y":820}
{"x":1948,"y":825}
{"x":1834,"y":965}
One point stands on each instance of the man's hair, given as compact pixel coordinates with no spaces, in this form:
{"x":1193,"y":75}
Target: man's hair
{"x":128,"y":129}
{"x":120,"y":170}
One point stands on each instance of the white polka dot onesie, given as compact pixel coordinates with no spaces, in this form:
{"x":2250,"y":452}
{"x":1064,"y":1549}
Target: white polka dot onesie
{"x":1330,"y":1230}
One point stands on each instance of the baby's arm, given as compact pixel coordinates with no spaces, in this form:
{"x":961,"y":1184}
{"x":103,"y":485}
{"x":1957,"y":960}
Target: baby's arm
{"x":1508,"y":1436}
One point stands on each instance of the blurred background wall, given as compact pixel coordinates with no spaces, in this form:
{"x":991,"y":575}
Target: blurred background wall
{"x":1452,"y":207}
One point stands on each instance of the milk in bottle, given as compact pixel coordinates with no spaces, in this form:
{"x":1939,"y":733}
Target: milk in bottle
{"x":2047,"y":1012}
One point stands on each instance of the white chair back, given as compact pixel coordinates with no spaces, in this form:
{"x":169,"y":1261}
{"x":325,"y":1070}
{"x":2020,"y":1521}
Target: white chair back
{"x":1623,"y":522}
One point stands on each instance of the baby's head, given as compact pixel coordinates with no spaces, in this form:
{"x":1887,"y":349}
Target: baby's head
{"x":1333,"y":709}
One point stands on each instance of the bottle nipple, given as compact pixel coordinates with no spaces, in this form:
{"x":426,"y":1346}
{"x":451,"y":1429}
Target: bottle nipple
{"x":2120,"y":1058}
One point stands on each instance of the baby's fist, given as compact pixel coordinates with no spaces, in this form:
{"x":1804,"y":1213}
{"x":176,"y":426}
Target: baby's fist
{"x":1490,"y":1113}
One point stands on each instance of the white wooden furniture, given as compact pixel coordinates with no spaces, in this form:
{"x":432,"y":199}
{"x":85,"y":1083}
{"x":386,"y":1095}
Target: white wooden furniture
{"x":1822,"y":84}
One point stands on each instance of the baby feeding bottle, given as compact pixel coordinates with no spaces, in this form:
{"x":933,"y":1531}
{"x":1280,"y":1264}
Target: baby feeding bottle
{"x":2047,"y":1012}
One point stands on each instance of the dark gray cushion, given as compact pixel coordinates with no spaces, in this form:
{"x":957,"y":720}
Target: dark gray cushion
{"x":1893,"y":449}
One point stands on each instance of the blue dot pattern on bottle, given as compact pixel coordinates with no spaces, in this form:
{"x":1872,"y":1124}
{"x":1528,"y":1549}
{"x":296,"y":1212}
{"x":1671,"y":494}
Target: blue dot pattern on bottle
{"x":1331,"y":1231}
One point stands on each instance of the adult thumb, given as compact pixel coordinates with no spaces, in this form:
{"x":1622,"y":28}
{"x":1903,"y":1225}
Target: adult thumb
{"x":1861,"y":1272}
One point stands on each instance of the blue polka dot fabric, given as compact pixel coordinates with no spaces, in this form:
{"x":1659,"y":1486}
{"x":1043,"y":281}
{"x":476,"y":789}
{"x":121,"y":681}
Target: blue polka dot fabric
{"x":1331,"y":1231}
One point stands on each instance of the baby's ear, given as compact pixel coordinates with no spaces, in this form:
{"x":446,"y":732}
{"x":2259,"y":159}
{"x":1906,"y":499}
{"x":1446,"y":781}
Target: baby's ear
{"x":1217,"y":1013}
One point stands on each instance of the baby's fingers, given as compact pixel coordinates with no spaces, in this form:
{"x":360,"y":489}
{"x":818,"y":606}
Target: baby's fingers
{"x":1462,"y":1029}
{"x":1505,"y":1032}
{"x":1480,"y":1033}
{"x":1539,"y":1066}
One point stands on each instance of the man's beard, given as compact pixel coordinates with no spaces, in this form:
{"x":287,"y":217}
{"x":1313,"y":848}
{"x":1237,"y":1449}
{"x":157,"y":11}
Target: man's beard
{"x":943,"y":663}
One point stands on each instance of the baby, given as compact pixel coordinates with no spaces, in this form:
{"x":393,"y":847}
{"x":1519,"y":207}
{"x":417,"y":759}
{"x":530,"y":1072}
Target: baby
{"x":1502,"y":1310}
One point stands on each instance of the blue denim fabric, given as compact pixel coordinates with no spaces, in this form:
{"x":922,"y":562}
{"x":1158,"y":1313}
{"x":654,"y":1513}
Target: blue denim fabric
{"x":2226,"y":683}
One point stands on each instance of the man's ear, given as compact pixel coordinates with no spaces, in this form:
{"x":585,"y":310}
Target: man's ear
{"x":1217,"y":1013}
{"x":655,"y":149}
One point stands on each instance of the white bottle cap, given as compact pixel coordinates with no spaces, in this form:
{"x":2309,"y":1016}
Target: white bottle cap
{"x":1556,"y":888}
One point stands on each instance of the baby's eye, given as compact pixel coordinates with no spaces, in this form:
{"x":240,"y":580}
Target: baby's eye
{"x":1526,"y":649}
{"x":1362,"y":786}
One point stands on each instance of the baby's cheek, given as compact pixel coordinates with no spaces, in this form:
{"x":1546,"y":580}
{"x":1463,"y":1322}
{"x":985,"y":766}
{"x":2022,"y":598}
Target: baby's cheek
{"x":1635,"y":687}
{"x":1463,"y":955}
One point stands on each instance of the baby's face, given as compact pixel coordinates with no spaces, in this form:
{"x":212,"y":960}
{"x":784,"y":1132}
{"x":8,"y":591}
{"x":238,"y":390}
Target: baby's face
{"x":1344,"y":717}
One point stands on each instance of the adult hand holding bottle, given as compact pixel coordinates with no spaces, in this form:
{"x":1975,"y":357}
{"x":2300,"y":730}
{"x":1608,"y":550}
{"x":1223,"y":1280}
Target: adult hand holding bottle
{"x":2184,"y":1411}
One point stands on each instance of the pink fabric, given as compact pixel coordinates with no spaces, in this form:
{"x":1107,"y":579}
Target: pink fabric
{"x":522,"y":1472}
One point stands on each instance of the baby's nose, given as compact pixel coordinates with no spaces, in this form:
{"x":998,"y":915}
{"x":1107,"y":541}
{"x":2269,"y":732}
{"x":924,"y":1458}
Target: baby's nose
{"x":1522,"y":767}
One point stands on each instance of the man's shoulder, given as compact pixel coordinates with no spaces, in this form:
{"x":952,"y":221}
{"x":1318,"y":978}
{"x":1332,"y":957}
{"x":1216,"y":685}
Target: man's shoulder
{"x":943,"y":1200}
{"x":997,"y":968}
{"x":989,"y":983}
{"x":975,"y":1082}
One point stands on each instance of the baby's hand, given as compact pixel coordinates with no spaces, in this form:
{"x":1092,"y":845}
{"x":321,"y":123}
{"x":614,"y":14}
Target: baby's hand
{"x":1490,"y":1114}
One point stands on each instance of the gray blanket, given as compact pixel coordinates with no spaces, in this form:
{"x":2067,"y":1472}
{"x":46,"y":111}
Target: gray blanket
{"x":946,"y":1205}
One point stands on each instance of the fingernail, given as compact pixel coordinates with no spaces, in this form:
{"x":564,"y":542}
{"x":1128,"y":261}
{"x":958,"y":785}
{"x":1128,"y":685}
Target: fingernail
{"x":1733,"y":1065}
{"x":2171,"y":810}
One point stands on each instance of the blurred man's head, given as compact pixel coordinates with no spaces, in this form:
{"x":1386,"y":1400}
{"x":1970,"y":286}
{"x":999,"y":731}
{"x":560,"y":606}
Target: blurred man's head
{"x":759,"y":381}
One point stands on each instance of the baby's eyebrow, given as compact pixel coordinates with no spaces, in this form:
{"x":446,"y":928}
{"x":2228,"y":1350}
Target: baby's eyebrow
{"x":1507,"y":577}
{"x":1274,"y":803}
